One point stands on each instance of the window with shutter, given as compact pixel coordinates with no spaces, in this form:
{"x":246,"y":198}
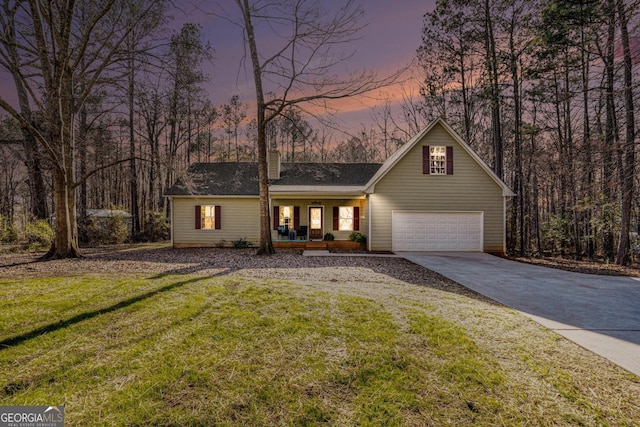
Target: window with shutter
{"x":344,"y":218}
{"x":437,"y":160}
{"x":285,"y":216}
{"x":208,"y":217}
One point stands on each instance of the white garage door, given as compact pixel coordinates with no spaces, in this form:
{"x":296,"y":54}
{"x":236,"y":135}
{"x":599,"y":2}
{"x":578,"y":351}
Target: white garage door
{"x":437,"y":231}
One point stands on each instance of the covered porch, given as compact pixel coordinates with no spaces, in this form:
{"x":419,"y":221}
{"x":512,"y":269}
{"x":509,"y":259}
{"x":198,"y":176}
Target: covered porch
{"x":331,"y":219}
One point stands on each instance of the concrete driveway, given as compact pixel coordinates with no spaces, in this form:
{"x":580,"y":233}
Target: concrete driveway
{"x":600,"y":313}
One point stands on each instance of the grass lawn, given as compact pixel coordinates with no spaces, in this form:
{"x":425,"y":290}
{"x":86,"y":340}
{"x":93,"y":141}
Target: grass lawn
{"x":239,"y":348}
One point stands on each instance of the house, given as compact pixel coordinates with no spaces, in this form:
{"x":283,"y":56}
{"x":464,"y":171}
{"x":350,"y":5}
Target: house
{"x":432,"y":194}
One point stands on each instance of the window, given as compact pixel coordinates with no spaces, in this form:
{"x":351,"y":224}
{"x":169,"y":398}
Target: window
{"x":346,"y":218}
{"x":437,"y":160}
{"x":208,"y":217}
{"x":286,"y":216}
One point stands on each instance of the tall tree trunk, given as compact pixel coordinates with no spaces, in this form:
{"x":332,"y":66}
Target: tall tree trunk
{"x":586,"y":142}
{"x":517,"y":202}
{"x":628,"y":167}
{"x":569,"y":174}
{"x":610,"y":134}
{"x":33,"y":161}
{"x":266,"y":243}
{"x":492,"y":69}
{"x":133,"y":170}
{"x":83,"y":129}
{"x":61,"y":118}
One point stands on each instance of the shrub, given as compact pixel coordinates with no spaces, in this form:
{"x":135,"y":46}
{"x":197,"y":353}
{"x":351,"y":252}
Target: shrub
{"x":106,"y":231}
{"x":38,"y":234}
{"x":7,"y":231}
{"x":240,"y":243}
{"x":358,"y":237}
{"x":329,"y":237}
{"x":156,"y":228}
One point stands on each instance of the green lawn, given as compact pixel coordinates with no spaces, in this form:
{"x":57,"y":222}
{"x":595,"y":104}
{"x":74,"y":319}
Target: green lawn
{"x":194,"y":350}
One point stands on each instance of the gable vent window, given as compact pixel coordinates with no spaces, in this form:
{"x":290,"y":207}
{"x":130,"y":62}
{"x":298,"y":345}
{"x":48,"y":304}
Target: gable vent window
{"x":437,"y":160}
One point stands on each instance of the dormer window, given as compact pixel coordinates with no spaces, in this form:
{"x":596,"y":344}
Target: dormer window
{"x":437,"y":160}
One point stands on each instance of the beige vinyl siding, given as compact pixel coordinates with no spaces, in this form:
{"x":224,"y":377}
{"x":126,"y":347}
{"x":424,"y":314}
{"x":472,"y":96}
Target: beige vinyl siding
{"x":240,"y":218}
{"x":406,"y":188}
{"x":328,"y":205}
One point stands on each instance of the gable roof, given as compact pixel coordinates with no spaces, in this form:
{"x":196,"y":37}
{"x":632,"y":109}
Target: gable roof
{"x":404,"y":149}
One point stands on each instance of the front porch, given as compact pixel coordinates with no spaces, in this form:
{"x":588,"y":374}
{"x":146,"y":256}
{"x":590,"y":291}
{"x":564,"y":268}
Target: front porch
{"x":317,"y":245}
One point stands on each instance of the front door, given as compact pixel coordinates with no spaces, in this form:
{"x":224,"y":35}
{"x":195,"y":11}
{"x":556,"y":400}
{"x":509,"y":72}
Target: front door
{"x":315,"y":223}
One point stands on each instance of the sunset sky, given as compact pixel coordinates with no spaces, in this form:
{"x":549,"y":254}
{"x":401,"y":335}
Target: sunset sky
{"x":388,"y":42}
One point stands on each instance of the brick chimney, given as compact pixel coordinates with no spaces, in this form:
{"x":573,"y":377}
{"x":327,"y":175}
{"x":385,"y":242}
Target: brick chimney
{"x":273,"y":165}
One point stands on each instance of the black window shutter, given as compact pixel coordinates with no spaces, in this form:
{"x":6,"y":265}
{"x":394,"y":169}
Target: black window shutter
{"x":198,"y":217}
{"x":296,"y":217}
{"x":276,"y":217}
{"x":426,"y":167}
{"x":218,"y":214}
{"x":449,"y":160}
{"x":336,"y":217}
{"x":356,"y":218}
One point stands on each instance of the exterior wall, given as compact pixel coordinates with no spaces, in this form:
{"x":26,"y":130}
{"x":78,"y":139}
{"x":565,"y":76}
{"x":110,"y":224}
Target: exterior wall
{"x":405,"y":187}
{"x":328,"y":205}
{"x":240,"y":218}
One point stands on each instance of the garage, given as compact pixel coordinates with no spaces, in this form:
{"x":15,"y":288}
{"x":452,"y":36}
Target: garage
{"x":437,"y":231}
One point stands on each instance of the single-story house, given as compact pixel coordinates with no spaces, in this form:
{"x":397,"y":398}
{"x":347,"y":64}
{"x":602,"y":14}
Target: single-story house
{"x":433,"y":194}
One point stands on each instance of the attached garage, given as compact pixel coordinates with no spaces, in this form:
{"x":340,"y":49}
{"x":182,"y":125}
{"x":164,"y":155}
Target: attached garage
{"x":437,"y":231}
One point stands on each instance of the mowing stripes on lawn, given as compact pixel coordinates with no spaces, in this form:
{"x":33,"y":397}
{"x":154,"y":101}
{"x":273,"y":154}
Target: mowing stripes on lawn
{"x":36,"y":310}
{"x":234,"y":350}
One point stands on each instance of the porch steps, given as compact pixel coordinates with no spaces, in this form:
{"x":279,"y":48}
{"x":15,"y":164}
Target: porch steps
{"x":317,"y":246}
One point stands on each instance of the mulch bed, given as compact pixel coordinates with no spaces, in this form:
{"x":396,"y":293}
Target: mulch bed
{"x":584,"y":266}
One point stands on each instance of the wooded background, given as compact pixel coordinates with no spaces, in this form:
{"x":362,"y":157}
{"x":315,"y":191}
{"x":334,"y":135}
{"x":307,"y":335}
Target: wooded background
{"x":544,"y":91}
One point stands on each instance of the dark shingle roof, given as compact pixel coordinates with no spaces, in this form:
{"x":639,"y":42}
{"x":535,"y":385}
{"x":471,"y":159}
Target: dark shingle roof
{"x":241,"y":179}
{"x":221,"y":179}
{"x":334,"y":174}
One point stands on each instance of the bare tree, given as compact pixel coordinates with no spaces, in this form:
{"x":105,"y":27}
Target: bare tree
{"x":185,"y":56}
{"x":304,"y":68}
{"x":11,"y":60}
{"x":233,"y":114}
{"x":628,"y":149}
{"x":58,"y":48}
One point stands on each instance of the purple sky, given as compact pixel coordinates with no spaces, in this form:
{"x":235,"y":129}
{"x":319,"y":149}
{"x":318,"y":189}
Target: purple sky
{"x":388,"y":42}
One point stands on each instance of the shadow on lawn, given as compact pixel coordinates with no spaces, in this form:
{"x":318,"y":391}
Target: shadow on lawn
{"x":229,"y":260}
{"x":200,"y":259}
{"x":52,"y":327}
